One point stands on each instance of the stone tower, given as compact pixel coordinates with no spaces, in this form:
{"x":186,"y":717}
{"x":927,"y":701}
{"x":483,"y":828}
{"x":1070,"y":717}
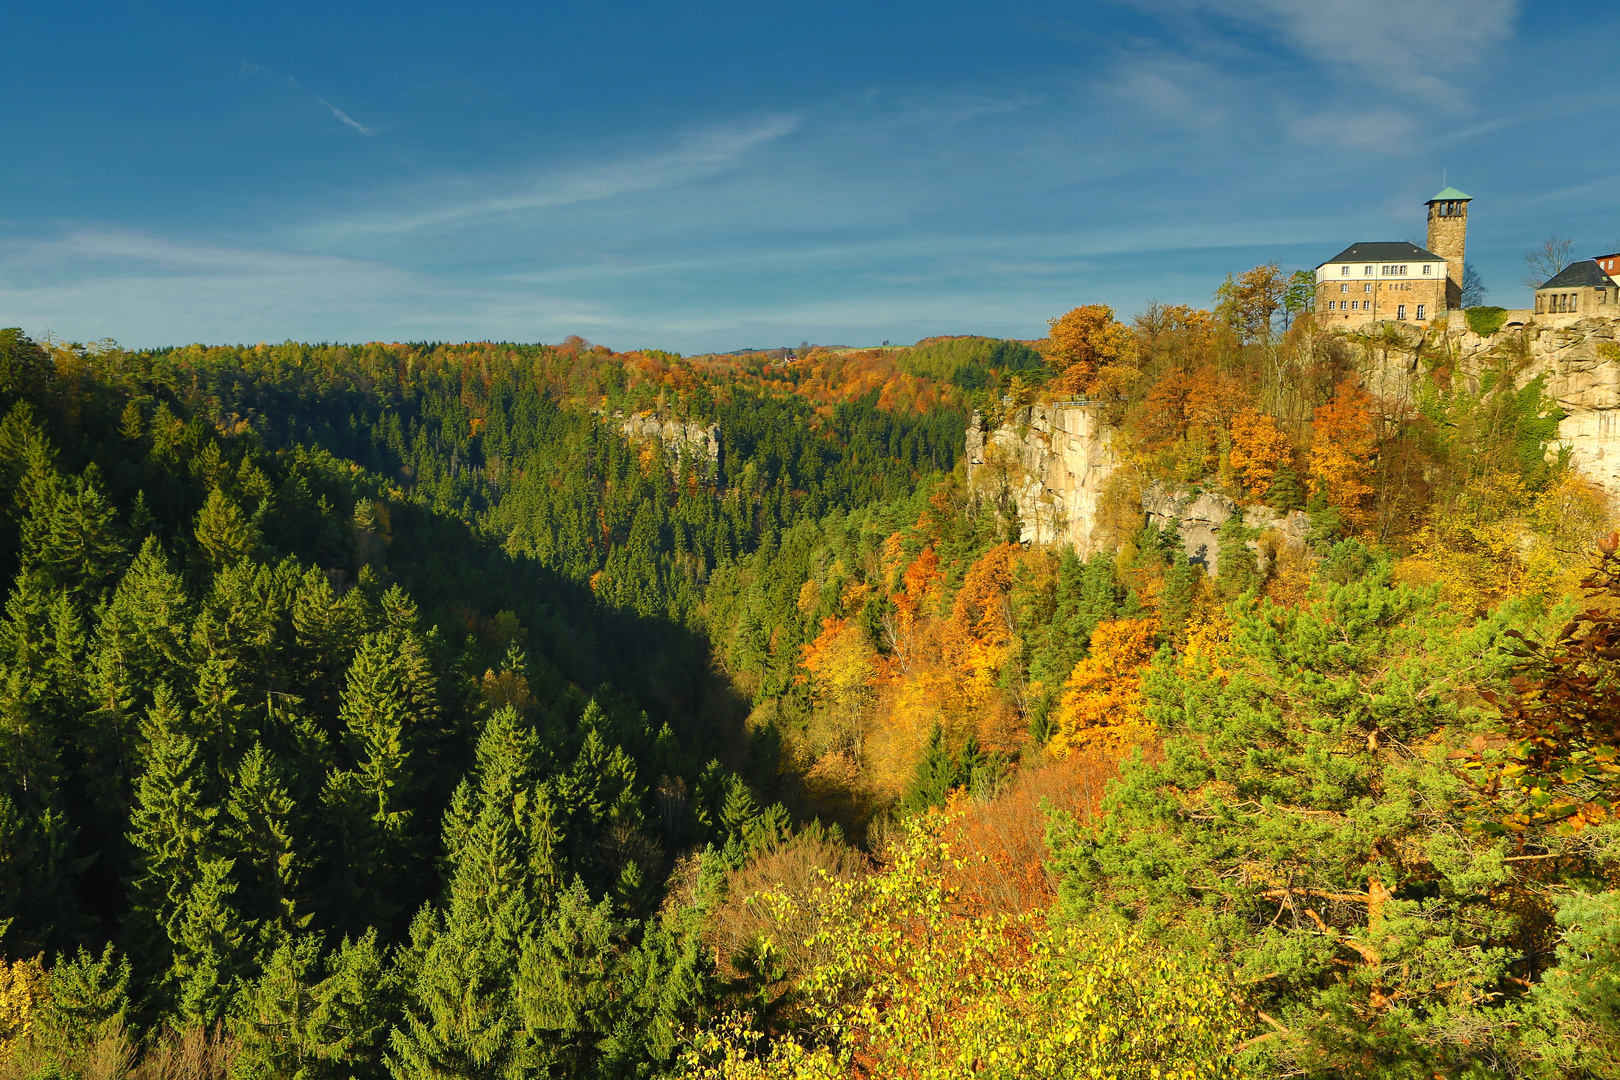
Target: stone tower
{"x":1448,"y":238}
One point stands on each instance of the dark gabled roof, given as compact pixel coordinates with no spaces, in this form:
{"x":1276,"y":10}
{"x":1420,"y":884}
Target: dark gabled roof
{"x":1372,"y":251}
{"x":1579,"y":274}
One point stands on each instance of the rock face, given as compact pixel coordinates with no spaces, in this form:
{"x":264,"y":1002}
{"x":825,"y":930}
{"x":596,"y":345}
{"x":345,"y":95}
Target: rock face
{"x":702,"y":443}
{"x":1586,"y":384}
{"x":1199,"y":515}
{"x":1054,"y":460}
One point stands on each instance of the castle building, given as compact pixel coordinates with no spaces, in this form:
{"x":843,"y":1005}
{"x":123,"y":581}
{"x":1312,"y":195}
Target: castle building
{"x":1580,"y":288}
{"x":1397,"y":280}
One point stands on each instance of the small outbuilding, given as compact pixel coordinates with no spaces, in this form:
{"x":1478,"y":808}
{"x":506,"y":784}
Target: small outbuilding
{"x":1580,"y":288}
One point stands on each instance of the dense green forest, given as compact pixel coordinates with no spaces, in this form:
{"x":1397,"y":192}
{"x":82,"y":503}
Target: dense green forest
{"x":397,"y":711}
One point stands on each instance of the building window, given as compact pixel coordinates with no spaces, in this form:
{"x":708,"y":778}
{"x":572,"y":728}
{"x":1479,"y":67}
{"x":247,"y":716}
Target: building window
{"x":1400,"y":311}
{"x":1420,"y":312}
{"x":1355,"y":304}
{"x":1366,"y":286}
{"x":1344,"y":288}
{"x":1574,"y":301}
{"x":1344,"y":271}
{"x":1367,"y":270}
{"x":1403,"y":271}
{"x":1539,"y":302}
{"x":1426,"y":268}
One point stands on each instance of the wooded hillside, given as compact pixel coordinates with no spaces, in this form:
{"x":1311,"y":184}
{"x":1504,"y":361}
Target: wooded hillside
{"x":386,"y":710}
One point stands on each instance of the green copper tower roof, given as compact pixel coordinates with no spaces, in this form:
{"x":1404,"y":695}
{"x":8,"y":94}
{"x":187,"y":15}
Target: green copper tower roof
{"x":1450,"y":193}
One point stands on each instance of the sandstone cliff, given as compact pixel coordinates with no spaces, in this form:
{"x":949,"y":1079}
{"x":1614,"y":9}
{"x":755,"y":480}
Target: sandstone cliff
{"x":701,"y":443}
{"x":1054,"y":460}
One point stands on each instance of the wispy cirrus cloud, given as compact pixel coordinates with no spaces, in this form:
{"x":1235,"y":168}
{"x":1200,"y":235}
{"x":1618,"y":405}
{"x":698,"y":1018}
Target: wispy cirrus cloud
{"x":1366,"y":77}
{"x":1400,"y":46}
{"x":250,"y":68}
{"x":696,"y":155}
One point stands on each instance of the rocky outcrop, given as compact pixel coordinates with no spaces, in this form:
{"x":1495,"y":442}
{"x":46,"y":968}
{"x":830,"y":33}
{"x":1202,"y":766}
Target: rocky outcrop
{"x":1577,"y":356}
{"x":1582,"y":365}
{"x":701,"y":443}
{"x":1198,"y":516}
{"x":1054,"y":461}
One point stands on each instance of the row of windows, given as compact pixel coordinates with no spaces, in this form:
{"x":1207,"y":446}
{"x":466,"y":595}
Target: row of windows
{"x":1450,"y":208}
{"x":1361,"y":305}
{"x":1400,"y":286}
{"x":1565,"y":303}
{"x":1388,"y":270}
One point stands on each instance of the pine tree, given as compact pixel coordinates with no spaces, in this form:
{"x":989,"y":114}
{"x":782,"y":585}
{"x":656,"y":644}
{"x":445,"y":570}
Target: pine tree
{"x":1237,"y":570}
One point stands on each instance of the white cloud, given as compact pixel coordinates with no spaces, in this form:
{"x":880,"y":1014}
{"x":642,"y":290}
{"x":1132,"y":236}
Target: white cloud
{"x":1399,"y":46}
{"x":346,"y":118}
{"x":697,"y":155}
{"x":250,"y":68}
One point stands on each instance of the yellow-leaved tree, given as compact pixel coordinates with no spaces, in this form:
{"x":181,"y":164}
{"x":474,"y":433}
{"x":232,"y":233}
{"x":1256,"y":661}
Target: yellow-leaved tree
{"x":907,"y":985}
{"x":1102,"y":703}
{"x":840,"y":666}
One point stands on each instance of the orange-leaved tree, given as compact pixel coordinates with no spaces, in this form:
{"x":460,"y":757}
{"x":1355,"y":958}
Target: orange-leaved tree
{"x":1259,"y":449}
{"x":1082,"y":343}
{"x":1342,"y":451}
{"x":981,"y":620}
{"x":1102,"y":703}
{"x":1563,"y":717}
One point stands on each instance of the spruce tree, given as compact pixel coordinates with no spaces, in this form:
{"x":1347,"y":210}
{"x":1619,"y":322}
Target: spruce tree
{"x":211,"y":947}
{"x":500,"y":878}
{"x":224,"y":533}
{"x":172,"y":829}
{"x":936,"y":773}
{"x":70,"y":534}
{"x":260,"y":834}
{"x":315,"y":1018}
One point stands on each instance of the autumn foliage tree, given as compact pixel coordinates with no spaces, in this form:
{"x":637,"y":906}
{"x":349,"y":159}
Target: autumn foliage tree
{"x":1341,"y":453}
{"x":1084,"y":343}
{"x":1259,"y":450}
{"x":1102,"y":702}
{"x":1563,"y":716}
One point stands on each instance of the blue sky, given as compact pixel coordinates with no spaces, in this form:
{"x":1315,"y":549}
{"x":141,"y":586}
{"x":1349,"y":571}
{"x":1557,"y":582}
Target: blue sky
{"x":718,"y":175}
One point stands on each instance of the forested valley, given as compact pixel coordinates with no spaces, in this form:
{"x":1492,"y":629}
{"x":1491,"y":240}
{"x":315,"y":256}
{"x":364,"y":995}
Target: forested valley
{"x":400,"y":711}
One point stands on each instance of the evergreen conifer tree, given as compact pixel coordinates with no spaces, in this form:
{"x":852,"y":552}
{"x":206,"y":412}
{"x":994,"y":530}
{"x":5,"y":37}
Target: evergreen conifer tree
{"x":261,"y":836}
{"x":225,"y":534}
{"x":1237,"y":570}
{"x":172,"y":828}
{"x":937,"y":772}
